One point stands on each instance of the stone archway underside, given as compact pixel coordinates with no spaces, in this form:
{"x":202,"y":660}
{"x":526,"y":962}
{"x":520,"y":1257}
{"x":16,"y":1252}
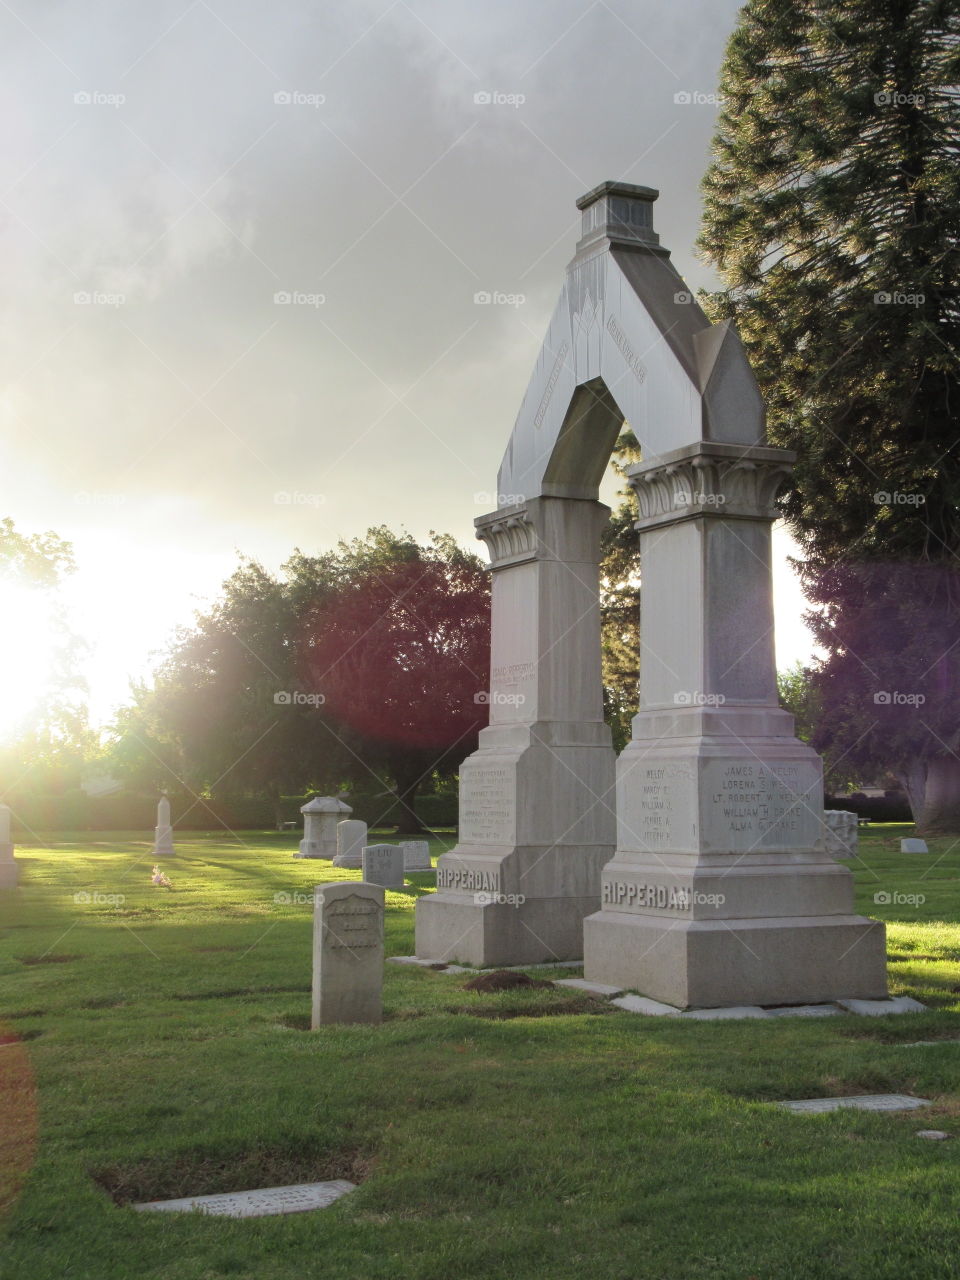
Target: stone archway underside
{"x":692,"y":869}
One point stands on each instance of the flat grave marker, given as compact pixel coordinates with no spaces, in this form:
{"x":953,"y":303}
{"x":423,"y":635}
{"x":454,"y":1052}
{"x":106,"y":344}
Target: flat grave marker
{"x":264,"y":1203}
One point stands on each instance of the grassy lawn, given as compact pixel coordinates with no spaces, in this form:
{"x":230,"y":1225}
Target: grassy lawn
{"x":158,"y":1046}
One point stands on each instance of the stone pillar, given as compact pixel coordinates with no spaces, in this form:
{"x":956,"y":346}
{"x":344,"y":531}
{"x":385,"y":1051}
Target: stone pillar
{"x":720,"y":891}
{"x":320,"y":818}
{"x":347,"y":953}
{"x":536,"y":799}
{"x":8,"y":867}
{"x":163,"y":832}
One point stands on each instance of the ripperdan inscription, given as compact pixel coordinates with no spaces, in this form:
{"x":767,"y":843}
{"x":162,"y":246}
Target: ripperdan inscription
{"x":467,"y":878}
{"x":488,"y":805}
{"x":662,"y":896}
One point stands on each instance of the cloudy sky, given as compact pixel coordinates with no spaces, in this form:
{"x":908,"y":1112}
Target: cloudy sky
{"x":172,"y":168}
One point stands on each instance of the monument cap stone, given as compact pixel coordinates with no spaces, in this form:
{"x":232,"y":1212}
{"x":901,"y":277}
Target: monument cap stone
{"x":619,"y":212}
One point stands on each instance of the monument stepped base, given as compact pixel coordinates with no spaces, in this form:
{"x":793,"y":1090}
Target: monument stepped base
{"x":452,"y":927}
{"x":707,"y":963}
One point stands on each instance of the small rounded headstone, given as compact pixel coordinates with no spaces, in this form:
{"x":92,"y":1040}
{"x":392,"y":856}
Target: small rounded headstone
{"x":935,"y":1135}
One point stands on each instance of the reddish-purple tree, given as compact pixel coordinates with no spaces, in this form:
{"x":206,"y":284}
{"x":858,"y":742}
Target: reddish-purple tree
{"x":400,"y":650}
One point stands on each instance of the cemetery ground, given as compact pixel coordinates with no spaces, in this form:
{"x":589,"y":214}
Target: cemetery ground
{"x":155,"y":1043}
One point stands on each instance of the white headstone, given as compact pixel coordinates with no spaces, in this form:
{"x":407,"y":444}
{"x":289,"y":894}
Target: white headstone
{"x":8,"y":865}
{"x":347,"y":953}
{"x":351,"y":838}
{"x":842,"y":836}
{"x":320,"y":818}
{"x":913,"y":846}
{"x":163,"y":834}
{"x":383,"y":865}
{"x":416,"y":855}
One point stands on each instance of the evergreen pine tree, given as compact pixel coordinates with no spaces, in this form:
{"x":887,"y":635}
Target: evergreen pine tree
{"x":832,"y":211}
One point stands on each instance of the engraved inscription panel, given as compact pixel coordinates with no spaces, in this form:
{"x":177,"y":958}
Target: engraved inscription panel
{"x":750,"y":804}
{"x":663,"y":808}
{"x":488,"y":804}
{"x":352,"y":924}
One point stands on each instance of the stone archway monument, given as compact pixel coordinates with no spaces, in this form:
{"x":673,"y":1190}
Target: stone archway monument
{"x":700,"y":877}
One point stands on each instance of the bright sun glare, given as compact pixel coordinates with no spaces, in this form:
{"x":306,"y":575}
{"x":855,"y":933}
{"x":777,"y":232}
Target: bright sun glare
{"x":27,"y":655}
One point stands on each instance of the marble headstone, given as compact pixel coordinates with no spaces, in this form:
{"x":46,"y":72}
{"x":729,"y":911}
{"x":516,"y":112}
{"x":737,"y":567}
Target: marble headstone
{"x":383,"y":865}
{"x":351,"y":838}
{"x":416,"y":855}
{"x":347,"y":953}
{"x":163,"y":834}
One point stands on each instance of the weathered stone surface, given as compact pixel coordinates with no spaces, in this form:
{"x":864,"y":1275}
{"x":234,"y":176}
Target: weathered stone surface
{"x":351,"y":839}
{"x":416,"y":855}
{"x":383,"y":864}
{"x":641,"y":1004}
{"x":913,"y":846}
{"x":347,"y":953}
{"x":256,"y":1204}
{"x":807,"y":1011}
{"x":866,"y":1102}
{"x":842,"y":834}
{"x":934,"y":1135}
{"x":595,"y":988}
{"x":320,"y":818}
{"x":879,"y":1008}
{"x":732,"y":1011}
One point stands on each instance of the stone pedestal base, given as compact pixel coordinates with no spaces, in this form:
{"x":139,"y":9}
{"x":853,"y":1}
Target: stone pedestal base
{"x":163,"y":842}
{"x":708,"y":963}
{"x":463,"y":928}
{"x":9,"y":873}
{"x":314,"y":849}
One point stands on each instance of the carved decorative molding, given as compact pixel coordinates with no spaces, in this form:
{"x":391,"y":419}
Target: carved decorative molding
{"x":731,"y":482}
{"x":510,"y":535}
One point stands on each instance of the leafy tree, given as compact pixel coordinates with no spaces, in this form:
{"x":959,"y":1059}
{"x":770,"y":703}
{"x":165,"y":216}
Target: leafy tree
{"x":33,"y":559}
{"x":225,"y":713}
{"x":832,"y":210}
{"x":620,"y":602}
{"x":348,"y":665}
{"x":47,"y":751}
{"x":401,"y":653}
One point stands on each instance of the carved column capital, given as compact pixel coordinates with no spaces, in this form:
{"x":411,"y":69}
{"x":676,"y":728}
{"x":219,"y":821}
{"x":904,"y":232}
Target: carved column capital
{"x":734,"y":482}
{"x":545,"y":528}
{"x":510,"y":535}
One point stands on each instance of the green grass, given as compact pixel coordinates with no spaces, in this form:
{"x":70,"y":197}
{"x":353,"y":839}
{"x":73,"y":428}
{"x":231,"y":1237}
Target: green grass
{"x":534,"y":1134}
